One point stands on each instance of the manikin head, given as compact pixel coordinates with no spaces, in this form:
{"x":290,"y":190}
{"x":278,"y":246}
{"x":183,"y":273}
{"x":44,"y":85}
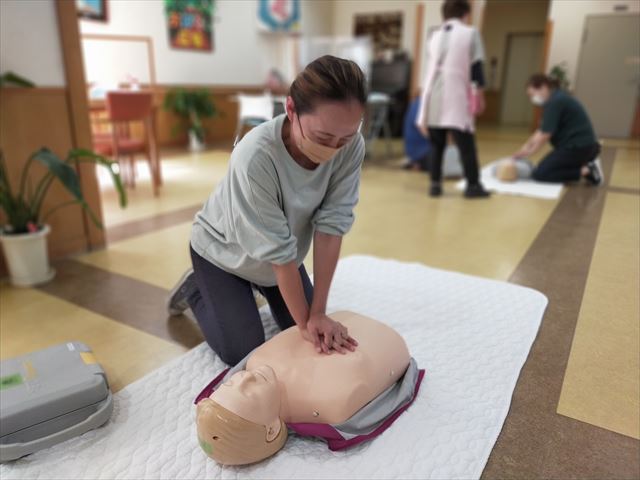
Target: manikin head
{"x":325,"y":106}
{"x":240,"y":421}
{"x":540,"y":87}
{"x":506,"y":170}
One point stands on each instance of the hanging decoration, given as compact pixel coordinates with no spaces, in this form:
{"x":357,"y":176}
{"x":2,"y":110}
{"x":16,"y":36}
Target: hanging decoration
{"x":279,"y":16}
{"x":190,"y":24}
{"x":92,"y":9}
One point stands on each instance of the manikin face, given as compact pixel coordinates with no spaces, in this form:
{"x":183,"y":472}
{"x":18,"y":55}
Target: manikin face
{"x":330,"y":126}
{"x":253,"y":395}
{"x":538,"y":96}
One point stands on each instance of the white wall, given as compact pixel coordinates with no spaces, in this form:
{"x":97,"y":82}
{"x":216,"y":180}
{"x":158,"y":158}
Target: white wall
{"x":241,"y":54}
{"x":344,"y":12}
{"x":30,"y":42}
{"x":317,"y":17}
{"x":568,"y":24}
{"x":477,"y":13}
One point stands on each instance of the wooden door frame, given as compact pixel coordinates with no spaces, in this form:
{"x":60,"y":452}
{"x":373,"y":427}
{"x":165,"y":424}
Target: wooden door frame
{"x":417,"y":51}
{"x":548,"y":36}
{"x":78,"y":102}
{"x":148,"y":41}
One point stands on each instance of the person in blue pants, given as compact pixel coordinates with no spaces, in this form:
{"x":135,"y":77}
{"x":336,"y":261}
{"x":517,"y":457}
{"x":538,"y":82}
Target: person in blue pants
{"x":416,"y":146}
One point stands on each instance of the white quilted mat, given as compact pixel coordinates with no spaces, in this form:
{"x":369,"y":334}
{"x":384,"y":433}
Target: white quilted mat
{"x":471,"y":335}
{"x":526,"y":188}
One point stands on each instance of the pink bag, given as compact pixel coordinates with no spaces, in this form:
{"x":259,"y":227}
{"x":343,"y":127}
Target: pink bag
{"x":474,"y":100}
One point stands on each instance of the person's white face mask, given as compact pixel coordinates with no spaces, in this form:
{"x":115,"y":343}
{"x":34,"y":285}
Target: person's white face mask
{"x":537,"y":99}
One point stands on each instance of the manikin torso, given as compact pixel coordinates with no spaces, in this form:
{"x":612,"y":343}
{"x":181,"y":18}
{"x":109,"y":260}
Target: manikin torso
{"x":320,"y":388}
{"x":287,"y":380}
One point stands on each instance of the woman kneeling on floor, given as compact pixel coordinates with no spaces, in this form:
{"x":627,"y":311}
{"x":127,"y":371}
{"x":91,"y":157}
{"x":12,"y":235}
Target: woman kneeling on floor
{"x":566,"y":125}
{"x":291,"y":180}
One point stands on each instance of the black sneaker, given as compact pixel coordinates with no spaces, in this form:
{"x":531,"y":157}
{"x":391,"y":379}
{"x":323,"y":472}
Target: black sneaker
{"x":476,"y":191}
{"x":435,"y":190}
{"x":595,"y":175}
{"x":177,"y":302}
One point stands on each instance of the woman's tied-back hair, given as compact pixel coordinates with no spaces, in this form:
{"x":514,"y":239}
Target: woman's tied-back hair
{"x":539,"y":79}
{"x":455,"y":8}
{"x":328,"y":78}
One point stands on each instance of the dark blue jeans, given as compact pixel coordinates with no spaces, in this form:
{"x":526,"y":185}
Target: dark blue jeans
{"x":564,"y":164}
{"x":226,"y":310}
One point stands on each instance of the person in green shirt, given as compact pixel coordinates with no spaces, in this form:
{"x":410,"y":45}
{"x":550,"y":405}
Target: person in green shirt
{"x":566,"y":125}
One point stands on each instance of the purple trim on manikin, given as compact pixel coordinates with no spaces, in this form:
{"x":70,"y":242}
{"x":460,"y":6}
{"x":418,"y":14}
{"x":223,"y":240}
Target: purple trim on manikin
{"x":333,"y":438}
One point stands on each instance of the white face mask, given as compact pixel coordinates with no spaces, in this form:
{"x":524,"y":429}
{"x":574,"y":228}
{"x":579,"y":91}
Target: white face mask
{"x":537,"y":99}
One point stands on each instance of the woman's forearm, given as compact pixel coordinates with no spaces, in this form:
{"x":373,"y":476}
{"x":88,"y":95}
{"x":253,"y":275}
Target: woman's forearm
{"x":533,"y":144}
{"x":292,"y":291}
{"x":326,"y":250}
{"x":529,"y":148}
{"x":526,"y":149}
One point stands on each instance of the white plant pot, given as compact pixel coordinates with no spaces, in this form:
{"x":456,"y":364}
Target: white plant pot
{"x":27,"y":257}
{"x":195,"y":145}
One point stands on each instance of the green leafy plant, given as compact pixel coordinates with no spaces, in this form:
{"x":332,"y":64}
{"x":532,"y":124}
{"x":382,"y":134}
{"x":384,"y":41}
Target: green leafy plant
{"x":559,"y":73}
{"x":10,"y":78}
{"x":191,"y":106}
{"x":23,"y":207}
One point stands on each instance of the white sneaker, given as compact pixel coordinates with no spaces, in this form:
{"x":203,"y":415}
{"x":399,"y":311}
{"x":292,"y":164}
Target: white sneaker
{"x":177,"y":301}
{"x":595,"y":175}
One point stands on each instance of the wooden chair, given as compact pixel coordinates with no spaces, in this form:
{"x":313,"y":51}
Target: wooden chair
{"x":124,"y":108}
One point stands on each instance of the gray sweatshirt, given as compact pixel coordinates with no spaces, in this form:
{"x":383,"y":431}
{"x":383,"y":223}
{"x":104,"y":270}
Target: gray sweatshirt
{"x":267,"y":207}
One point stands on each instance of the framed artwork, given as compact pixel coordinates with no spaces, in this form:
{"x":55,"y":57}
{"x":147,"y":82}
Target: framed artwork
{"x":190,"y":24}
{"x":92,"y":9}
{"x":279,"y":16}
{"x":385,"y":29}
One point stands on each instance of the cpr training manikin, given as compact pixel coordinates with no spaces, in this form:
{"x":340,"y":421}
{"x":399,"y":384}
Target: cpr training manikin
{"x":243,"y":415}
{"x":512,"y":169}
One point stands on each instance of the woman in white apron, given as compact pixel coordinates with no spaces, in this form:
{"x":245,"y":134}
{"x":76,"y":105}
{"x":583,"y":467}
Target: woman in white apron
{"x":449,"y":98}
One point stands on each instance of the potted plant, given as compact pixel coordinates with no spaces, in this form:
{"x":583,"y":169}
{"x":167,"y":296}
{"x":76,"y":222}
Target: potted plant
{"x":24,"y":236}
{"x":10,"y":78}
{"x":559,"y":73}
{"x":191,"y":106}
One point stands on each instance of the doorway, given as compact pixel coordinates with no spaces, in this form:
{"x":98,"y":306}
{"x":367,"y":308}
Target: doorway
{"x":522,"y":58}
{"x":509,"y":27}
{"x":608,"y":76}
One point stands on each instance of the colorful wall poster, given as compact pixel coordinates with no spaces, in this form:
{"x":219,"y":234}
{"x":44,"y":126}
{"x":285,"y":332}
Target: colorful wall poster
{"x":190,"y":24}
